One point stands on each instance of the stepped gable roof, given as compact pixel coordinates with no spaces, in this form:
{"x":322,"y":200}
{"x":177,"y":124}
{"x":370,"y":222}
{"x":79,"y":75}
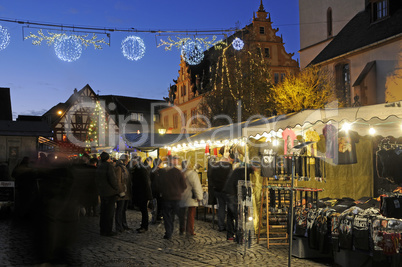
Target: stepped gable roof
{"x":360,"y":32}
{"x":211,"y":56}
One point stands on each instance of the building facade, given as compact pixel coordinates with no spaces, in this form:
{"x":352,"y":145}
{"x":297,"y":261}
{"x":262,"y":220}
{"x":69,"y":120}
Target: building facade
{"x":185,"y":97}
{"x":93,"y":123}
{"x":365,"y":52}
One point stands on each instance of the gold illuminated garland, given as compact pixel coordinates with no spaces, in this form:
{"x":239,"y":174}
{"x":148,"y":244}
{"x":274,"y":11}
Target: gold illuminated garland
{"x":85,"y":40}
{"x":181,"y":41}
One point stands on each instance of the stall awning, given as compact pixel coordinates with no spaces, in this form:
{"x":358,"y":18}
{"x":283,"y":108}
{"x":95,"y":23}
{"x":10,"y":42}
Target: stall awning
{"x":385,"y":118}
{"x":151,"y":141}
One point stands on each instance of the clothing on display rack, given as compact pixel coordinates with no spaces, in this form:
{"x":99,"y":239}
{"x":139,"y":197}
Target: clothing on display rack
{"x":331,"y":140}
{"x":347,"y":148}
{"x":268,"y":160}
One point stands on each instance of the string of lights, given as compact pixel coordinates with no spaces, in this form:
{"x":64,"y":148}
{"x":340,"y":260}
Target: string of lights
{"x":69,"y":40}
{"x":110,"y":29}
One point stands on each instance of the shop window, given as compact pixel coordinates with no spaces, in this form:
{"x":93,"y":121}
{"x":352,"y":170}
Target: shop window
{"x":329,"y":22}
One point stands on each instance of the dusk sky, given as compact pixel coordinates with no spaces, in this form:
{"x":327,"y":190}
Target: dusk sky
{"x":39,"y":80}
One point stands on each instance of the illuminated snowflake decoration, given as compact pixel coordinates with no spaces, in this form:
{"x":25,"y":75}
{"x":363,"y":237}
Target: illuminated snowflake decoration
{"x":192,"y":52}
{"x":133,"y":48}
{"x":4,"y":38}
{"x":68,"y":48}
{"x":238,"y":44}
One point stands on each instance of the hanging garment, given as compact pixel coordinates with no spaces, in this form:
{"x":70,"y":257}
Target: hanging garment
{"x":311,"y":136}
{"x":289,"y":138}
{"x":347,"y":148}
{"x":331,"y":140}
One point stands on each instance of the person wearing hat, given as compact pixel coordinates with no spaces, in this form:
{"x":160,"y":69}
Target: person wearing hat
{"x":124,"y":181}
{"x":108,"y":191}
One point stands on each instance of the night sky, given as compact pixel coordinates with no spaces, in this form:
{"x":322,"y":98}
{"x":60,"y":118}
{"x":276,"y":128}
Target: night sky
{"x":39,"y":80}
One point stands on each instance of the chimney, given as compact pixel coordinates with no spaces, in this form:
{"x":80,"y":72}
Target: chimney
{"x":5,"y":104}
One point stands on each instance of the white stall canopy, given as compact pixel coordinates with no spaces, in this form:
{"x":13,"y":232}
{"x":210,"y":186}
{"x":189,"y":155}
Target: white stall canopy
{"x":382,"y":119}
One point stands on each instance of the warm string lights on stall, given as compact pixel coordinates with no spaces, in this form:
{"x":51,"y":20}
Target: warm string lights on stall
{"x":202,"y":144}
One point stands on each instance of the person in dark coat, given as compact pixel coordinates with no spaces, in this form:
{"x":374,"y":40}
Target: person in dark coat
{"x":85,"y":176}
{"x":25,"y":188}
{"x":156,"y":174}
{"x":230,"y":190}
{"x":91,"y":205}
{"x":173,"y":185}
{"x":58,"y":208}
{"x":124,"y":182}
{"x":141,"y":188}
{"x":218,"y":176}
{"x":108,"y":192}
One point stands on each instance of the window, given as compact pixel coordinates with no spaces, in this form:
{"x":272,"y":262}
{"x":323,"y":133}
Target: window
{"x":156,"y":117}
{"x":276,"y":77}
{"x":342,"y":73}
{"x":283,"y":76}
{"x":259,"y":51}
{"x":329,"y":22}
{"x":137,"y":116}
{"x":184,"y":122}
{"x":166,"y":121}
{"x":184,"y":89}
{"x":175,"y":121}
{"x":266,"y":52}
{"x":78,"y":119}
{"x":380,"y":10}
{"x":262,"y":30}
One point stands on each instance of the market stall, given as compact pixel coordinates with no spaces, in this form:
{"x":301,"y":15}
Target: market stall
{"x":353,"y":155}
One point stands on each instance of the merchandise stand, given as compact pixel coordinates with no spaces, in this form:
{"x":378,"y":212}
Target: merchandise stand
{"x":275,"y":221}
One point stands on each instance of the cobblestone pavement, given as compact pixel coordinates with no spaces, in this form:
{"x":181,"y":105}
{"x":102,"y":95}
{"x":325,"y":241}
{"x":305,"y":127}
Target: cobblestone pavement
{"x":208,"y":248}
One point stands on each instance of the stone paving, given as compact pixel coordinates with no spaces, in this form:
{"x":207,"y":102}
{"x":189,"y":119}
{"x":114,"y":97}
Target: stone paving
{"x":208,"y":248}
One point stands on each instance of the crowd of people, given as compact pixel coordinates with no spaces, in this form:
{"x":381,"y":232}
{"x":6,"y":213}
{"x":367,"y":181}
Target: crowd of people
{"x":58,"y":192}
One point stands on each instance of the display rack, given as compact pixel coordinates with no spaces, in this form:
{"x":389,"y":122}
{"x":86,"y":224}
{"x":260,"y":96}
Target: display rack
{"x":273,"y":212}
{"x":274,"y":218}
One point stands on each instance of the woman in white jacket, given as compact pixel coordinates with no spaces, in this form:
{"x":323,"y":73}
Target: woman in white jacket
{"x":189,"y":200}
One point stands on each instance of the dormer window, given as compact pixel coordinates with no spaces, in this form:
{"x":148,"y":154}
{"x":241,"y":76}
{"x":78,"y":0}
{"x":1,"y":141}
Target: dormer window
{"x":380,"y":9}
